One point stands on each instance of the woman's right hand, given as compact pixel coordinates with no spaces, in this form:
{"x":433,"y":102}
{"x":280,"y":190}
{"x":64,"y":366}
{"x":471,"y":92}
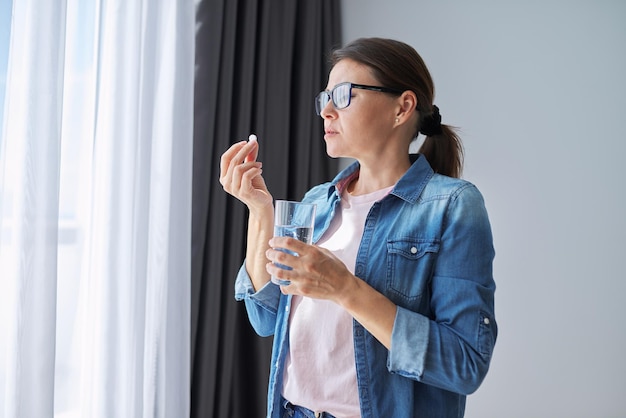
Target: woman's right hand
{"x":241,"y":176}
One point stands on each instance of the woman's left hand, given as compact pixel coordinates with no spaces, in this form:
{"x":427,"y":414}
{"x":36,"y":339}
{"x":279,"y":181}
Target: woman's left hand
{"x":316,"y":272}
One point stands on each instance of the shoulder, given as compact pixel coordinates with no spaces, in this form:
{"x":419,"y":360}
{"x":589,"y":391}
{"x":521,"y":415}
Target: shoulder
{"x":449,"y":188}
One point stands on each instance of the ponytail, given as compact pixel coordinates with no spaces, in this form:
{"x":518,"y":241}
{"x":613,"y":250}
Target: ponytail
{"x":444,"y":152}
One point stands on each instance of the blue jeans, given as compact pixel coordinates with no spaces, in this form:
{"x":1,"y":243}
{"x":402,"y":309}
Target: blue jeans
{"x":290,"y":410}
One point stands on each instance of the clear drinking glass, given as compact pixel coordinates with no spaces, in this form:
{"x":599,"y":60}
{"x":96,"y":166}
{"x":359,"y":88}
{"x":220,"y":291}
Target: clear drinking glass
{"x":296,"y":220}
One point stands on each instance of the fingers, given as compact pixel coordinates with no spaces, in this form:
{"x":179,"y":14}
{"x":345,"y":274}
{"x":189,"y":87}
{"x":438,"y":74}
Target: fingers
{"x":300,"y":258}
{"x":284,"y":251}
{"x":288,"y":243}
{"x":238,"y":165}
{"x":252,"y":156}
{"x":314,"y":272}
{"x":243,"y":151}
{"x":225,"y":162}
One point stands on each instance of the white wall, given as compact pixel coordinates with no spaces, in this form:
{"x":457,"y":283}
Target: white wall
{"x":539,"y":90}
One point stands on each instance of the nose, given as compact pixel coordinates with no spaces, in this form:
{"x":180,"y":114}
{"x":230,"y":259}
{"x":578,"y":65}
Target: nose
{"x":328,"y":111}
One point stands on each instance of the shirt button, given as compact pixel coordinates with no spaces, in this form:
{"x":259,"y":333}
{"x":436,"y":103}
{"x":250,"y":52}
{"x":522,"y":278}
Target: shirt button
{"x":413,"y":250}
{"x":486,"y":321}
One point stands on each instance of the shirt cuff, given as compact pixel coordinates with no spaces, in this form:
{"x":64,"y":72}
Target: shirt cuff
{"x":266,"y":297}
{"x":409,"y":342}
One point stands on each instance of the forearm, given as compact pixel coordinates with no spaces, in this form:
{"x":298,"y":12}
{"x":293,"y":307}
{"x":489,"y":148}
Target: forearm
{"x":373,"y":310}
{"x":260,"y":230}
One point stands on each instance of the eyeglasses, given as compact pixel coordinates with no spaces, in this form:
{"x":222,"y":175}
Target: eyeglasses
{"x":342,"y":93}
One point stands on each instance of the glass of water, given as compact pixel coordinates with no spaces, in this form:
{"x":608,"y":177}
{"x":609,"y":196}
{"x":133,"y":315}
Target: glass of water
{"x":296,"y":220}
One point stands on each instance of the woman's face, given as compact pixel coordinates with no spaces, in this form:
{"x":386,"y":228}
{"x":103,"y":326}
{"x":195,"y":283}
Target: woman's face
{"x":363,"y":129}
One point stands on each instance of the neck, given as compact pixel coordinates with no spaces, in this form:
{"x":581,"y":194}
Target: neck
{"x":372,"y":178}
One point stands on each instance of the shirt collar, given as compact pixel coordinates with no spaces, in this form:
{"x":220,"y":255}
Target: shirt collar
{"x":408,"y":188}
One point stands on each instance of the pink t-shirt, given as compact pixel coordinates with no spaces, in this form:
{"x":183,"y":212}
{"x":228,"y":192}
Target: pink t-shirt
{"x":320,"y":372}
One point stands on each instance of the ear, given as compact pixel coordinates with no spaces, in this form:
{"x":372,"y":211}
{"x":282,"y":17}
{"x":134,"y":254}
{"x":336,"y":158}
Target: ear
{"x":407,"y":103}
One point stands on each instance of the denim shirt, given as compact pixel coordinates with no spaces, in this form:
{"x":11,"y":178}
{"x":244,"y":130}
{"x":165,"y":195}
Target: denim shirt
{"x":427,"y":246}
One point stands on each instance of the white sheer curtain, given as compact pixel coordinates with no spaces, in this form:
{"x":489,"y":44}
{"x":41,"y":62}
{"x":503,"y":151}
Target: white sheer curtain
{"x":95,"y":204}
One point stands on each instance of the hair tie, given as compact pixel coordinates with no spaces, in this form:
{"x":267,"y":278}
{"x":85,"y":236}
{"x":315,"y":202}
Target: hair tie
{"x":431,"y":124}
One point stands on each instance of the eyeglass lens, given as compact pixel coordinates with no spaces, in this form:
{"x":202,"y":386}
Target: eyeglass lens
{"x":340,"y":95}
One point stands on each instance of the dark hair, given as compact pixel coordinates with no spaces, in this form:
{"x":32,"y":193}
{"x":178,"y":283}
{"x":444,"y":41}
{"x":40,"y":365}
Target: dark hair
{"x":397,"y":65}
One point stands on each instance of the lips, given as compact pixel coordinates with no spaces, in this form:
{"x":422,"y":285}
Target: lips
{"x":329,"y":133}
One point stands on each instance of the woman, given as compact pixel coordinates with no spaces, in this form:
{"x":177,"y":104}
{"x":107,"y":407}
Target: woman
{"x":391,"y":312}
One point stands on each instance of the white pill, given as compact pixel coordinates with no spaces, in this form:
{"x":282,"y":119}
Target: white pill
{"x":252,"y":137}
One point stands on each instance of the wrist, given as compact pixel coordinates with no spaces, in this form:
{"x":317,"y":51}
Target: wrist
{"x":349,"y":294}
{"x":261,"y":217}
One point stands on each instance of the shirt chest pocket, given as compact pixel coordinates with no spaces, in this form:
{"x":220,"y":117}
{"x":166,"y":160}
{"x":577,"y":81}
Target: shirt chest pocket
{"x":410,"y":264}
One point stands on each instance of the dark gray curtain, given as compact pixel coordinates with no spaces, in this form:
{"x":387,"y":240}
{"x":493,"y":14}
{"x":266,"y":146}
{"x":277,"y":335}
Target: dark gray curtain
{"x":258,"y":66}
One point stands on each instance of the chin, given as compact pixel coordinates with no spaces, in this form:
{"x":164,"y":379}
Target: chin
{"x":334,"y":154}
{"x":333,"y":151}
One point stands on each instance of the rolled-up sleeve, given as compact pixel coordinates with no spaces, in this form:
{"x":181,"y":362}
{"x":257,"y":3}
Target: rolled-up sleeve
{"x":452,"y":347}
{"x":409,"y":341}
{"x":261,"y":305}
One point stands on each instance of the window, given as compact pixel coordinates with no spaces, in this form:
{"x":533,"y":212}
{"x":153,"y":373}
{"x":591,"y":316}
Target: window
{"x":96,"y":267}
{"x":5,"y":31}
{"x":78,"y":98}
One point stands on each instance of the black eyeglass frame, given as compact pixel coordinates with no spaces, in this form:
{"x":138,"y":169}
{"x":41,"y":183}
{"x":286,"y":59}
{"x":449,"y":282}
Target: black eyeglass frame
{"x":329,"y":94}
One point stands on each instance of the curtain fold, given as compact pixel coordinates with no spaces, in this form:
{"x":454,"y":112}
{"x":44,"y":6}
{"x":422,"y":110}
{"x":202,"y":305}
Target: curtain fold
{"x":137,"y":264}
{"x":114,"y":102}
{"x":29,"y":162}
{"x":259,"y":65}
